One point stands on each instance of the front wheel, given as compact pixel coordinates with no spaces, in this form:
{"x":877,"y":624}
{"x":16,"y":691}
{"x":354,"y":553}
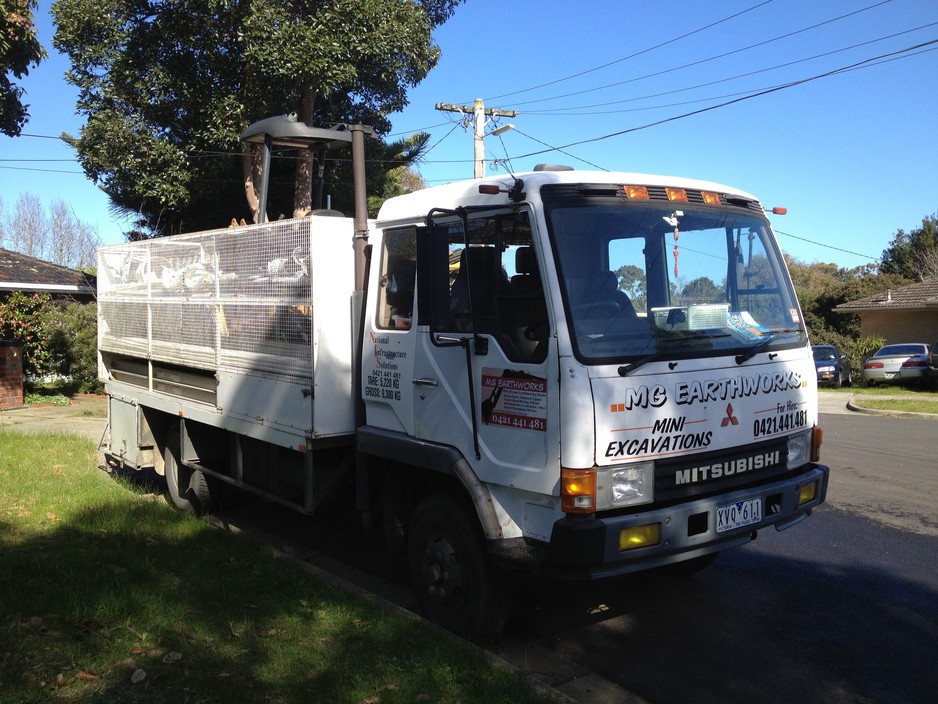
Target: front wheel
{"x":189,"y":490}
{"x":456,"y":585}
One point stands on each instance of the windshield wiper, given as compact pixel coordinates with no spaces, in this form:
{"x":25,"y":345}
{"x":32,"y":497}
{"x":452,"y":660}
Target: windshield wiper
{"x":744,"y":357}
{"x":630,"y":367}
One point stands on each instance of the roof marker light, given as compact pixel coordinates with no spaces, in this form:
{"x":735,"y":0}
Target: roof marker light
{"x":636,"y":192}
{"x":710,"y":198}
{"x":676,"y":194}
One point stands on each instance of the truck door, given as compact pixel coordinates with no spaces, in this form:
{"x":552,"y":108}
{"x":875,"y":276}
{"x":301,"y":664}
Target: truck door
{"x":390,"y":336}
{"x":482,"y":359}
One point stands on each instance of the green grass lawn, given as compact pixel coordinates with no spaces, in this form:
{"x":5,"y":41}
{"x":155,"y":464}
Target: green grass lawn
{"x":910,"y":399}
{"x":108,"y":595}
{"x":903,"y":405}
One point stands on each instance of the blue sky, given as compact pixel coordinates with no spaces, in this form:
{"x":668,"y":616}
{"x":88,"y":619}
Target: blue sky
{"x":851,"y":155}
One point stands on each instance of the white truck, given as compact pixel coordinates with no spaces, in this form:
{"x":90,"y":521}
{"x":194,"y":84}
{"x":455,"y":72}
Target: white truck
{"x":579,"y":373}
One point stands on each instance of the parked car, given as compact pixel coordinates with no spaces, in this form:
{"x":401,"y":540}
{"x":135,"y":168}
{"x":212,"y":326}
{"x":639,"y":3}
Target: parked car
{"x":832,"y":366}
{"x":897,"y":364}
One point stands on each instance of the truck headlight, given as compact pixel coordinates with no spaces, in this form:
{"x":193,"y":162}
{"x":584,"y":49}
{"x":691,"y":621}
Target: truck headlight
{"x":628,"y":485}
{"x":825,"y":369}
{"x":799,"y":450}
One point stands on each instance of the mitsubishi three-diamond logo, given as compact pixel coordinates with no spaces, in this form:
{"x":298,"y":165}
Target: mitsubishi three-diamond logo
{"x":730,"y":418}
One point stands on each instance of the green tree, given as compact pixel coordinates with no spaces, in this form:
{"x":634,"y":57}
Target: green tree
{"x":823,"y":287}
{"x":19,"y":49}
{"x":913,"y":255}
{"x":167,"y":87}
{"x":702,"y":290}
{"x":397,"y":177}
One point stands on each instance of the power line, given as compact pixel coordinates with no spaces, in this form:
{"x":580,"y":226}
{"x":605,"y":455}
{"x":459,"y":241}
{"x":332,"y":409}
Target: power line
{"x":566,"y":111}
{"x":828,"y":246}
{"x":560,"y":113}
{"x":46,"y":171}
{"x":42,"y":136}
{"x":631,"y":56}
{"x":709,"y":59}
{"x":791,"y":84}
{"x":572,"y":156}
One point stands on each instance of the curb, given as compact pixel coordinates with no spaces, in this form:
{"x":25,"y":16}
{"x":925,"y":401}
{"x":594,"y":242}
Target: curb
{"x":851,"y":406}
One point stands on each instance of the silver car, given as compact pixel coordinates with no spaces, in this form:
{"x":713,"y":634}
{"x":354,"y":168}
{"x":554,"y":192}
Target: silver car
{"x":897,"y":364}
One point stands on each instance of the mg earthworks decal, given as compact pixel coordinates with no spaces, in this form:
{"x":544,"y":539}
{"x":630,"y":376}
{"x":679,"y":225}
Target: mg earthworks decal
{"x":514,"y":399}
{"x":693,"y":413}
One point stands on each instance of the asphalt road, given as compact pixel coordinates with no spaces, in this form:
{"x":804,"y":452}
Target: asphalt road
{"x":840,"y":608}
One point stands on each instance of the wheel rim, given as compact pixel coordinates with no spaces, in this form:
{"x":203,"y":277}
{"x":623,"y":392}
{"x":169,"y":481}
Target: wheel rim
{"x":442,"y":571}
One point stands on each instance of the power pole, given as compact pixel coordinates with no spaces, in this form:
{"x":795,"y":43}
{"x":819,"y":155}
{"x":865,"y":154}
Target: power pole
{"x":479,"y":113}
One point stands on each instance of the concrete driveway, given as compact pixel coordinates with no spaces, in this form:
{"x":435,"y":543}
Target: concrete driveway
{"x":86,"y":415}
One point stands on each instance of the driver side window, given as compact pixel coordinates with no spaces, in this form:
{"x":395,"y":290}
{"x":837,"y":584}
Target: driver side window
{"x":398,"y":276}
{"x":495,"y":285}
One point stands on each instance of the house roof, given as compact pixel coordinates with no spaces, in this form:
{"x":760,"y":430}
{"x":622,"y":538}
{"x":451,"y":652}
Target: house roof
{"x":19,"y":272}
{"x":920,"y":296}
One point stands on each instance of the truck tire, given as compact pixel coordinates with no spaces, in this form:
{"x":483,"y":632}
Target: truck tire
{"x":189,"y":490}
{"x":455,"y":583}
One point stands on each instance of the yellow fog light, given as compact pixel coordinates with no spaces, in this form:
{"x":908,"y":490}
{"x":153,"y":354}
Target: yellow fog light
{"x":807,"y":493}
{"x":639,"y":536}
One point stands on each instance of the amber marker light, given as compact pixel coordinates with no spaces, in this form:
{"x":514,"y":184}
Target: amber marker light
{"x":639,"y":536}
{"x":676,"y":194}
{"x":817,"y":437}
{"x":578,"y":490}
{"x":636,"y":192}
{"x":710,"y":198}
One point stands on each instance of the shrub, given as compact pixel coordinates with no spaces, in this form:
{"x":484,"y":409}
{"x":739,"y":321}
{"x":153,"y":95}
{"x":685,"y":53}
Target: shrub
{"x":24,"y":317}
{"x":73,"y":343}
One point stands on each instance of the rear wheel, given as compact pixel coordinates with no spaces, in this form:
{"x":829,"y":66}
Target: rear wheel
{"x":456,"y":585}
{"x":189,"y":490}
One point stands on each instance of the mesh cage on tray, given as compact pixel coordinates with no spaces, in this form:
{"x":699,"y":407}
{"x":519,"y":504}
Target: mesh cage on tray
{"x":236,"y":299}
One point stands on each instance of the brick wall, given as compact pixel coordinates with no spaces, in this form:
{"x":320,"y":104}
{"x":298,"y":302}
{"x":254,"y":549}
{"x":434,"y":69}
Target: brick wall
{"x":900,"y":325}
{"x":11,"y":374}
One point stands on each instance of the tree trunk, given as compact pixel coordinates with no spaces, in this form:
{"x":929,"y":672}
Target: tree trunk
{"x":250,"y":168}
{"x":303,"y":190}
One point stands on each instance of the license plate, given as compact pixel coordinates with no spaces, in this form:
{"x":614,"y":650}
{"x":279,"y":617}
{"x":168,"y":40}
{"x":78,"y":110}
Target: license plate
{"x":742,"y":513}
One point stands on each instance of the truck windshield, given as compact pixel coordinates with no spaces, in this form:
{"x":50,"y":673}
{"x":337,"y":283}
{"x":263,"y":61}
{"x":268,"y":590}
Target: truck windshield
{"x":670,"y":280}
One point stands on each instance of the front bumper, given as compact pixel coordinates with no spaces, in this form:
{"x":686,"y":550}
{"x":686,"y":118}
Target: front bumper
{"x":589,"y":548}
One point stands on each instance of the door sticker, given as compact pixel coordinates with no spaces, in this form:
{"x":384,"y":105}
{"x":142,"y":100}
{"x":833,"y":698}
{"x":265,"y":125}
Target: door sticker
{"x":514,"y":399}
